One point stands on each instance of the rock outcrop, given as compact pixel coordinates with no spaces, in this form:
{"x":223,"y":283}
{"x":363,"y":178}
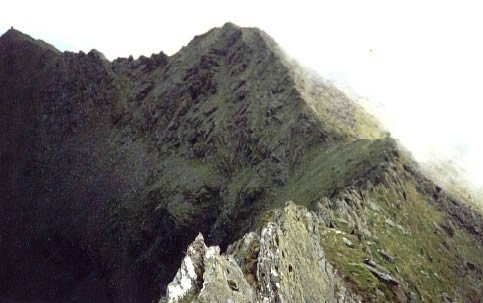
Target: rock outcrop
{"x":282,"y":262}
{"x":207,"y":276}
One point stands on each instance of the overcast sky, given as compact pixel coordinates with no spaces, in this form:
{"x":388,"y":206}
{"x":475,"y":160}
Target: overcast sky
{"x":419,"y":62}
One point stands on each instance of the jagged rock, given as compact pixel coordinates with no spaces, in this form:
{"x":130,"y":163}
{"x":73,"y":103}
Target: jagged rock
{"x":205,"y":276}
{"x":380,"y":272}
{"x":446,"y":298}
{"x":348,"y":242}
{"x":469,"y":265}
{"x":413,"y":297}
{"x":387,"y":256}
{"x":390,"y":222}
{"x":188,"y":278}
{"x":290,"y":266}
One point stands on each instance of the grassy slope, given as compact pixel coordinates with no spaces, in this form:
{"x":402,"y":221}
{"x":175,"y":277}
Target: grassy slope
{"x":428,"y":259}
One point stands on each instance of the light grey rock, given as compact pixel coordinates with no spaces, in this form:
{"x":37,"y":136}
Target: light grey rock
{"x":281,"y":262}
{"x":206,"y":276}
{"x":387,"y":256}
{"x":446,"y":298}
{"x":348,"y":242}
{"x":380,"y":272}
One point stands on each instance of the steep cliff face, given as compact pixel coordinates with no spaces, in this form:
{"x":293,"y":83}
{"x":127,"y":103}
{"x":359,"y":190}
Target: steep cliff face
{"x":110,"y":169}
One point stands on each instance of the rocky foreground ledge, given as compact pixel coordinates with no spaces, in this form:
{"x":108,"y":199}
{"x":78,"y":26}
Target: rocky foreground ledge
{"x":281,"y":262}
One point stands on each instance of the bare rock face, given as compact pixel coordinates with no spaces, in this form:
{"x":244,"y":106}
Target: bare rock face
{"x":282,"y":262}
{"x":207,"y":276}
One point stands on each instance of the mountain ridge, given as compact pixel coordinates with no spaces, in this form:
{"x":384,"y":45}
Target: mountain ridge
{"x":113,"y":167}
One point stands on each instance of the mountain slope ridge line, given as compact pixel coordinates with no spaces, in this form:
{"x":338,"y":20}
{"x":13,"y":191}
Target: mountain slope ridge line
{"x":112,"y":168}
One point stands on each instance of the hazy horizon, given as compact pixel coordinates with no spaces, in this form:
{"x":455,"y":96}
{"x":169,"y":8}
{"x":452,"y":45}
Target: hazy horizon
{"x":417,"y":63}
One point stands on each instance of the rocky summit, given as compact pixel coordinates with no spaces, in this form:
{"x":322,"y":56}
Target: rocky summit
{"x":223,"y":173}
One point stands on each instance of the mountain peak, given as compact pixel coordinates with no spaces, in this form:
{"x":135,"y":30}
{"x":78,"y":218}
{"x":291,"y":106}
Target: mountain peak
{"x":13,"y":33}
{"x":230,"y":25}
{"x":15,"y":37}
